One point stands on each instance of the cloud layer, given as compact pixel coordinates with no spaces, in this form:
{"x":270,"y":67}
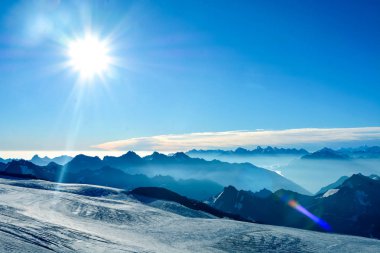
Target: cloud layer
{"x":233,"y":139}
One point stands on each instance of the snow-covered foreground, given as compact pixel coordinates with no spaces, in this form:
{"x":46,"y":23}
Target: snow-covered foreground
{"x":81,"y":218}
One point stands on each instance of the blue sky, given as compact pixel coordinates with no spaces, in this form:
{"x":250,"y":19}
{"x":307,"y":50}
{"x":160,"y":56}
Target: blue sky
{"x":186,"y":67}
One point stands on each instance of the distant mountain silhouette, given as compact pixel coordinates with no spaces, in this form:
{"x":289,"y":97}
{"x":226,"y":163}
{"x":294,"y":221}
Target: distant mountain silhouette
{"x":353,"y":207}
{"x":107,"y":176}
{"x":258,"y":151}
{"x":30,"y":170}
{"x":88,"y":169}
{"x":180,"y":165}
{"x":5,"y":160}
{"x":43,"y":161}
{"x":127,"y":160}
{"x":158,"y":157}
{"x":83,"y":162}
{"x":327,"y":153}
{"x":363,"y":152}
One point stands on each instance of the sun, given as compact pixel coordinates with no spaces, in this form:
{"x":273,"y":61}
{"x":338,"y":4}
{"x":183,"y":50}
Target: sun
{"x":89,"y":56}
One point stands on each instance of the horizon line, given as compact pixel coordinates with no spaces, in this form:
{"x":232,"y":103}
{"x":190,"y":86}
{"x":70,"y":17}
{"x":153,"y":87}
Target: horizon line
{"x":244,"y":138}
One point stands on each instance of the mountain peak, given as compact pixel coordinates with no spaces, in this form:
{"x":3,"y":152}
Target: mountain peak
{"x":264,"y":193}
{"x":230,"y":188}
{"x":155,"y":156}
{"x":81,"y":162}
{"x":241,"y":151}
{"x":85,"y":159}
{"x":357,"y":180}
{"x":181,"y":156}
{"x":131,"y":154}
{"x":269,"y":148}
{"x":326,"y":153}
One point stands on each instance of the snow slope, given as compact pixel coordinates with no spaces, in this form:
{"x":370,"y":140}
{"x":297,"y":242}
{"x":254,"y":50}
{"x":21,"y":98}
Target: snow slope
{"x":84,"y":218}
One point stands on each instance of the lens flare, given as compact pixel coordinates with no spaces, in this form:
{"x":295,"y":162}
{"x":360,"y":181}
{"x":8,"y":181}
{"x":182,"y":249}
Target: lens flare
{"x":323,"y":224}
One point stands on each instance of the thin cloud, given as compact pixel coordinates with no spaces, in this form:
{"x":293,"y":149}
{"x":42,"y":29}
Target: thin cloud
{"x":233,"y":139}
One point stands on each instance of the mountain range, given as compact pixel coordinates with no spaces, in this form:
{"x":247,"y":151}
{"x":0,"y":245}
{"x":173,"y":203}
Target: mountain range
{"x":242,"y":151}
{"x":181,"y":166}
{"x":327,"y":153}
{"x":311,"y":172}
{"x":192,"y":177}
{"x":363,"y":152}
{"x":351,"y":207}
{"x":5,"y":160}
{"x":107,"y":176}
{"x":324,"y":166}
{"x":43,"y":161}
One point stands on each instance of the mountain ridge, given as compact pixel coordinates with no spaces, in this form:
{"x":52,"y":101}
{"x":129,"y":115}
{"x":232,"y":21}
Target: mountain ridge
{"x":180,"y":165}
{"x":108,"y":176}
{"x":350,"y":208}
{"x":257,"y":151}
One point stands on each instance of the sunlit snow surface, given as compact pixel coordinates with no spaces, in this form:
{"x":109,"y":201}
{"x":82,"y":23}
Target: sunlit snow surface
{"x":35,"y":219}
{"x":330,"y":193}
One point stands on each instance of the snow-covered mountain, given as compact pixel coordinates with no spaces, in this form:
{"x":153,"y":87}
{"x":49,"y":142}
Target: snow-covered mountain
{"x":334,"y":185}
{"x":351,"y":207}
{"x":40,"y":216}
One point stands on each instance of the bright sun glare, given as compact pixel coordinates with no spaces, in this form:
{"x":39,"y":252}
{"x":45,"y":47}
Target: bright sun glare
{"x":89,"y":56}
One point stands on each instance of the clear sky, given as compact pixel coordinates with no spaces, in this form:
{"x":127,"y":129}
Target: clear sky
{"x":186,"y":67}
